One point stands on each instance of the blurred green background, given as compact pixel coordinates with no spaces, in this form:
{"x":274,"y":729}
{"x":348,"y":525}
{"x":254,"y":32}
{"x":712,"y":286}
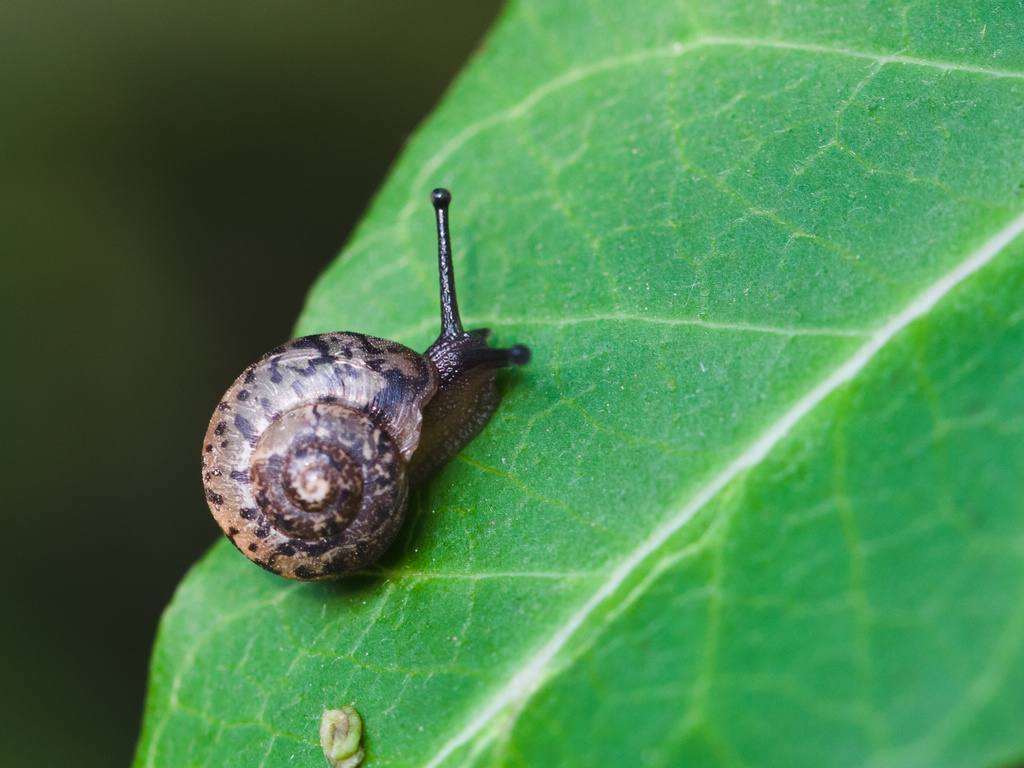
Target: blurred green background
{"x":173,"y":176}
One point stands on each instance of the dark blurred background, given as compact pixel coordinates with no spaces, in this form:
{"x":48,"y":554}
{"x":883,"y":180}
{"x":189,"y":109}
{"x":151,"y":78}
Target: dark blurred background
{"x":173,"y":176}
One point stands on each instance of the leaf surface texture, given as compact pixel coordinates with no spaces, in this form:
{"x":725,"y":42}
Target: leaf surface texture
{"x":758,"y":499}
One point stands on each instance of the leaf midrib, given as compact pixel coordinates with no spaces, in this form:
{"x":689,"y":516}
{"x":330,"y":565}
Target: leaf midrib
{"x":529,"y":679}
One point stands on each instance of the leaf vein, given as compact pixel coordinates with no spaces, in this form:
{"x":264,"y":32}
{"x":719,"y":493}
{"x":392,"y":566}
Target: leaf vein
{"x":527,"y":681}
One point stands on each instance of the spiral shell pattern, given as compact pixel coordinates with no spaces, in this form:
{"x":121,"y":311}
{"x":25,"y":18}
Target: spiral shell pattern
{"x":305,"y":458}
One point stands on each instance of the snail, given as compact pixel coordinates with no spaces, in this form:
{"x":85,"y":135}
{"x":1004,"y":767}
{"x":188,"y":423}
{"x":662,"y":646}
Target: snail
{"x":310,"y":455}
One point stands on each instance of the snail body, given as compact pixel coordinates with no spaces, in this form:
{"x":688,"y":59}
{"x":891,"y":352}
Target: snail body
{"x":310,"y":454}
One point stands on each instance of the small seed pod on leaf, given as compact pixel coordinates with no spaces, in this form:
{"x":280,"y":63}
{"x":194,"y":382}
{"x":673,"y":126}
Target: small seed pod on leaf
{"x":340,"y":733}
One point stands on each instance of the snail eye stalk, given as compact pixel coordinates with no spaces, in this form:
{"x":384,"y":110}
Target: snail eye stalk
{"x":451,"y":323}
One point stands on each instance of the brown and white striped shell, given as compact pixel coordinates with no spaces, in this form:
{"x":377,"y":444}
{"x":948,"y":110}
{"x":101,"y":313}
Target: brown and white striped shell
{"x":306,"y":458}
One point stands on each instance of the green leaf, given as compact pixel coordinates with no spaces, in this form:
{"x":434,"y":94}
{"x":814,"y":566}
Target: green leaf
{"x":759,"y":497}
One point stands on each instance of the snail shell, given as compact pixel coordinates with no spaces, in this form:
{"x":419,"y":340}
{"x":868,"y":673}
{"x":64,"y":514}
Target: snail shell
{"x":305,"y":460}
